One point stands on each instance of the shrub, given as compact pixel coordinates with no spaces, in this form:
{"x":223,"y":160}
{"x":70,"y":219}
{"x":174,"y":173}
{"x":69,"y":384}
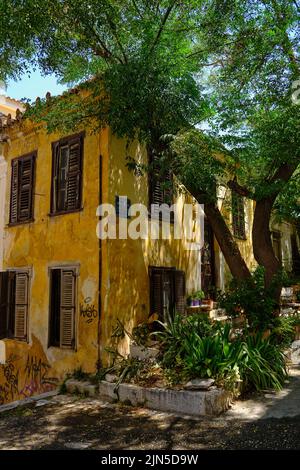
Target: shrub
{"x":251,"y":298}
{"x":283,"y":331}
{"x":193,"y":347}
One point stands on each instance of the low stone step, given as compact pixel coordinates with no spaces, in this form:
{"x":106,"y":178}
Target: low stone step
{"x":194,"y":403}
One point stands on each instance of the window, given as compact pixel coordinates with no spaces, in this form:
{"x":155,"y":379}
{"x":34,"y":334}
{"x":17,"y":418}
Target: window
{"x":67,"y":156}
{"x":21,"y":195}
{"x":238,"y":216}
{"x":160,"y":185}
{"x":167,"y":291}
{"x":62,"y":307}
{"x":14,"y":304}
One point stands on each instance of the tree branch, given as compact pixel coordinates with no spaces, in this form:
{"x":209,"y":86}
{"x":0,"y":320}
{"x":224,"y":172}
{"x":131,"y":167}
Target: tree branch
{"x":163,"y":23}
{"x":237,"y":188}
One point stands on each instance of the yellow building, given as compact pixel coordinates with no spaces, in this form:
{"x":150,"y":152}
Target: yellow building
{"x":62,"y":288}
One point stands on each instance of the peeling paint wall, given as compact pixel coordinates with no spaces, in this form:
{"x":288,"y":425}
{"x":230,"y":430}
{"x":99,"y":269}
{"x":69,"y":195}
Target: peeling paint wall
{"x":70,"y":239}
{"x":47,"y":242}
{"x":126,"y":262}
{"x":3,"y":171}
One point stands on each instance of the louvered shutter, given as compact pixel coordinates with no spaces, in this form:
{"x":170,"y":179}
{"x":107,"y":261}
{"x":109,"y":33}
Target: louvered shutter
{"x":156,"y":292}
{"x":4,"y":304}
{"x":21,"y":305}
{"x":161,"y":182}
{"x":67,"y":308}
{"x":55,"y":166}
{"x":26,"y":175}
{"x":179,"y":291}
{"x":14,"y":192}
{"x":73,"y":194}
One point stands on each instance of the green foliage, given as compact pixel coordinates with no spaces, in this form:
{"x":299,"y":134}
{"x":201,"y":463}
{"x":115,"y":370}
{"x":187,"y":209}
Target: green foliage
{"x":79,"y":374}
{"x":158,"y":69}
{"x":283,"y":330}
{"x":250,"y":297}
{"x":198,"y":295}
{"x":141,"y":333}
{"x":62,"y":389}
{"x":193,"y":347}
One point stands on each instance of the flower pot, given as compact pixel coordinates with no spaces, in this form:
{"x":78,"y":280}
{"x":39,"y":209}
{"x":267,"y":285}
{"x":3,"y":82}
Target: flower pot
{"x":207,"y":304}
{"x":195,"y":303}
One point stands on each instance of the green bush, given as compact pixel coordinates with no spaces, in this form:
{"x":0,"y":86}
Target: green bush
{"x":251,"y":298}
{"x":283,"y":331}
{"x":193,"y":347}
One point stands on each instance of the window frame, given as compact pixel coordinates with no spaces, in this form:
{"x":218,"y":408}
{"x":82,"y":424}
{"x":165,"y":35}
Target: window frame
{"x":75,"y":270}
{"x":64,"y":141}
{"x":11,"y":332}
{"x":32,"y":156}
{"x":151,"y":190}
{"x":174,"y":273}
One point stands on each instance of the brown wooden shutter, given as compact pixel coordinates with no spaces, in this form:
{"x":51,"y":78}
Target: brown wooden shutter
{"x":160,"y":185}
{"x":26,"y":175}
{"x":14,"y":192}
{"x":73,"y":195}
{"x":179,"y":291}
{"x":21,"y":305}
{"x":156,"y":292}
{"x":67,"y":309}
{"x":4,"y":304}
{"x":55,"y":159}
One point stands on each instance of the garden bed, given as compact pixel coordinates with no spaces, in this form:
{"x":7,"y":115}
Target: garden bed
{"x":196,"y":403}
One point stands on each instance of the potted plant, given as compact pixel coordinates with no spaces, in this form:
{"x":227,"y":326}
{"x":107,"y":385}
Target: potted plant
{"x":194,"y":299}
{"x":208,"y":304}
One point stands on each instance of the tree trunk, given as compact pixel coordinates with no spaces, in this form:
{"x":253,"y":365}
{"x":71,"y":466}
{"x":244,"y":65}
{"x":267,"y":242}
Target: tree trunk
{"x":262,"y":244}
{"x":228,"y":245}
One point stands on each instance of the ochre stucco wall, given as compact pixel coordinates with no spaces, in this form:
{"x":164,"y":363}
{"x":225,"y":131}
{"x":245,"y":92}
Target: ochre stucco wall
{"x":47,"y":242}
{"x":33,"y":367}
{"x":223,"y":275}
{"x":126,"y":262}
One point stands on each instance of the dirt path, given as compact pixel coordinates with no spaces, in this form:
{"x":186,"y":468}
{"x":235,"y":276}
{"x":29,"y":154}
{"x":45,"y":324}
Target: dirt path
{"x":68,"y":422}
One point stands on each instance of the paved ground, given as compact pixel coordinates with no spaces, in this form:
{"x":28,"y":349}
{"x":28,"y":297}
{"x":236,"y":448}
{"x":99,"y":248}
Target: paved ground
{"x":271,"y":421}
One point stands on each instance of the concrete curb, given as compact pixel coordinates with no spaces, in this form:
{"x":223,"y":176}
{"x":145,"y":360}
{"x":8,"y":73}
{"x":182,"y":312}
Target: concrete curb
{"x":194,"y":403}
{"x":26,"y":401}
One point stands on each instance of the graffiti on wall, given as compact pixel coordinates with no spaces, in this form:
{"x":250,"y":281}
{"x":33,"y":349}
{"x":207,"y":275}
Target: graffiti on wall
{"x":33,"y":374}
{"x":37,"y":379}
{"x":10,"y":387}
{"x":88,"y":311}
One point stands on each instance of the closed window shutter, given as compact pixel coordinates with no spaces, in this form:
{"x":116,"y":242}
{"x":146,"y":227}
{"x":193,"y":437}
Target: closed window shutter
{"x":21,"y":305}
{"x":14,"y":192}
{"x":4,"y":304}
{"x":73,"y":195}
{"x":26,"y":174}
{"x":55,"y":166}
{"x":179,"y":288}
{"x":67,"y":308}
{"x":156,"y":293}
{"x":161,"y":185}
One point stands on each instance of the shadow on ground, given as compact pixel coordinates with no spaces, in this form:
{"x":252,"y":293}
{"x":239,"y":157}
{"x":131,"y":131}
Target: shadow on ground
{"x":72,"y":423}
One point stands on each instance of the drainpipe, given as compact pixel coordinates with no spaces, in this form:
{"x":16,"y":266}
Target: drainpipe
{"x":3,"y":172}
{"x":99,"y":362}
